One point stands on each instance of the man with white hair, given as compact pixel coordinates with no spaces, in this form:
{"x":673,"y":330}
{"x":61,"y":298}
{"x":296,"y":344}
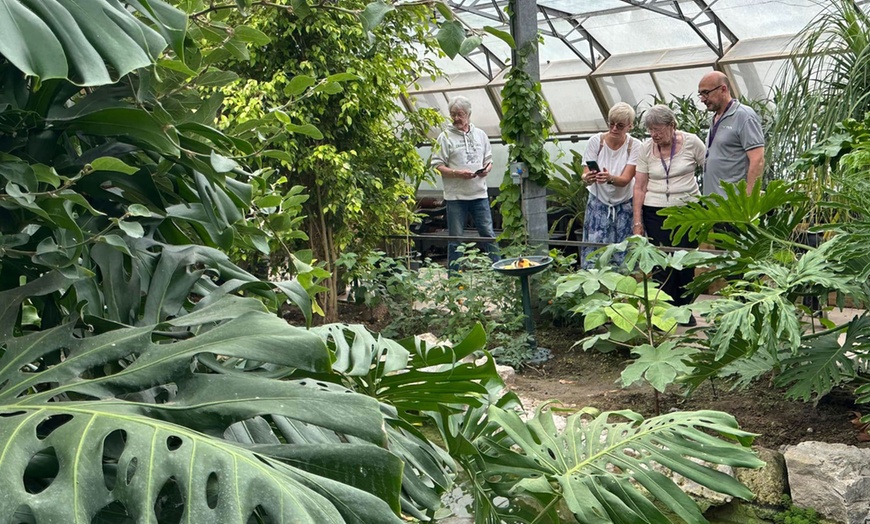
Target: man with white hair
{"x":463,"y":157}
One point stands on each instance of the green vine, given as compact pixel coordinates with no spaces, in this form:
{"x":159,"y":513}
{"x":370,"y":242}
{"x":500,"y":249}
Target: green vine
{"x":525,"y":127}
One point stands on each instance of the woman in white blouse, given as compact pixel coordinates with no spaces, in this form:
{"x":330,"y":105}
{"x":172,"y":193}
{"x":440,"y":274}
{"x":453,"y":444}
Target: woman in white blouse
{"x":666,"y":177}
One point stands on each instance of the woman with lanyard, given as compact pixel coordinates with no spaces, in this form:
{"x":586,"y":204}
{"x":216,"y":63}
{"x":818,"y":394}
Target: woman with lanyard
{"x":610,"y":177}
{"x":666,"y":177}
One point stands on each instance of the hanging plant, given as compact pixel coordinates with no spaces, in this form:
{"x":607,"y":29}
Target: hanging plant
{"x":525,"y":127}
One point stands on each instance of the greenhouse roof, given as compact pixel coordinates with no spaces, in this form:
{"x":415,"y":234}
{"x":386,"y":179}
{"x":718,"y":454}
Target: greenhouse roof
{"x":599,"y":52}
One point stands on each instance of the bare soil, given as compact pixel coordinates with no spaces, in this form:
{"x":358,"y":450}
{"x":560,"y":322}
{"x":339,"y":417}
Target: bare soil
{"x":580,"y":378}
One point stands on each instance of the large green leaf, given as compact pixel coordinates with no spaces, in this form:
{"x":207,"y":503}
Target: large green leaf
{"x":410,"y":375}
{"x":105,"y":452}
{"x":88,"y":42}
{"x":822,"y":362}
{"x":603,"y":466}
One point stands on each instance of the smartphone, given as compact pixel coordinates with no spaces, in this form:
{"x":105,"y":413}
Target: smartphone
{"x":481,"y":171}
{"x":593,"y":166}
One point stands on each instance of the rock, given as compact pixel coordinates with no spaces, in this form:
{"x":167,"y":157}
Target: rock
{"x":769,"y":482}
{"x":833,"y":479}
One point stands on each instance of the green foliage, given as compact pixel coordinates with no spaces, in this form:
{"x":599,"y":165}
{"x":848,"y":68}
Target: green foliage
{"x":830,"y":84}
{"x":95,"y":405}
{"x":630,"y":307}
{"x":822,"y":362}
{"x":796,"y":515}
{"x":335,"y":128}
{"x":556,"y":308}
{"x":449,"y":304}
{"x":760,"y":226}
{"x":659,"y":366}
{"x":568,"y":195}
{"x":602,"y":467}
{"x":525,"y":127}
{"x":74,"y":55}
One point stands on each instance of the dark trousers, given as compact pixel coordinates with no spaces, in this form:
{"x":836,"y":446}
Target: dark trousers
{"x":673,"y":282}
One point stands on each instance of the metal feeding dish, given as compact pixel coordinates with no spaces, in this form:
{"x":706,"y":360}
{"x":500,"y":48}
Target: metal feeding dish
{"x":523,"y":267}
{"x":515,"y":267}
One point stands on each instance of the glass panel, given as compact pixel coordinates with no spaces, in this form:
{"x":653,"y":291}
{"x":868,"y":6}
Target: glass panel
{"x":584,"y":7}
{"x":451,"y":81}
{"x":652,"y":60}
{"x":752,"y":19}
{"x":640,"y":30}
{"x":772,"y":47}
{"x":566,"y":68}
{"x":573,"y":106}
{"x":754,"y":79}
{"x":635,"y":90}
{"x":554,"y":49}
{"x":681,"y":82}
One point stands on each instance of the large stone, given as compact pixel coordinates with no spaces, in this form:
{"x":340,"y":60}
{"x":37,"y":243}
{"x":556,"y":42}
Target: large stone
{"x":768,"y":483}
{"x":833,"y":479}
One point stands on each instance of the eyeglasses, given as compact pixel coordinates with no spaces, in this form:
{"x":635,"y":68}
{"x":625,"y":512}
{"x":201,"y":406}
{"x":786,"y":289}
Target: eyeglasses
{"x":619,"y":127}
{"x":458,"y":114}
{"x":704,"y":93}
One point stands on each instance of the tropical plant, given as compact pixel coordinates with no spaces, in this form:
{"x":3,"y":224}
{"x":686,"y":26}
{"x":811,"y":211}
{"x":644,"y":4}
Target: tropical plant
{"x":136,"y":384}
{"x":608,"y":467}
{"x":829,"y":84}
{"x":756,"y":324}
{"x":567,"y":195}
{"x":360,"y":159}
{"x":631,"y":311}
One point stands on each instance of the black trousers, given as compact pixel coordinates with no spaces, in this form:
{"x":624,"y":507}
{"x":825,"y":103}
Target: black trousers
{"x":673,"y":282}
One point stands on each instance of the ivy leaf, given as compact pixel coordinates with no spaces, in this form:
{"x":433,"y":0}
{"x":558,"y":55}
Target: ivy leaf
{"x":374,"y":14}
{"x":133,"y":229}
{"x":216,"y":78}
{"x":469,"y":45}
{"x":298,"y":84}
{"x":450,"y":38}
{"x":342,"y":77}
{"x":498,"y":33}
{"x":116,"y":242}
{"x":330,"y":88}
{"x":138,"y":210}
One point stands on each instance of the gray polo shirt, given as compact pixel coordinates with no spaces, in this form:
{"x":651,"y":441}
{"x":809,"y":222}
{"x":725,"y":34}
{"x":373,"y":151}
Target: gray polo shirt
{"x":738,"y":132}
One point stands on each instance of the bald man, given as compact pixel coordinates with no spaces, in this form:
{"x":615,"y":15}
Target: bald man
{"x":735,"y":144}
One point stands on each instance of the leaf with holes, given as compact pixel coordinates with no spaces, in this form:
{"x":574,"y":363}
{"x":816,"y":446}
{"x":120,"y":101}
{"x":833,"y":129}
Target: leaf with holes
{"x":118,"y":424}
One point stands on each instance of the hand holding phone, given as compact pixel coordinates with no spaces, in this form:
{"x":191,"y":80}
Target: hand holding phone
{"x":481,"y":171}
{"x":593,"y":166}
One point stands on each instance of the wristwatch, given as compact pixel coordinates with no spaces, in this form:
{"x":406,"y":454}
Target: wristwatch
{"x":610,"y":180}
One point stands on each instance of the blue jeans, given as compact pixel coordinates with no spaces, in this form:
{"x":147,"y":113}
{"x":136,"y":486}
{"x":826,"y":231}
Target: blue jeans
{"x":457,"y":215}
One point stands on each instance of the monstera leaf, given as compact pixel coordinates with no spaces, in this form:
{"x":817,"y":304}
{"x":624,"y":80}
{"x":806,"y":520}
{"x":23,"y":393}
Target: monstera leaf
{"x":130,"y":425}
{"x":603,"y":468}
{"x":88,"y":42}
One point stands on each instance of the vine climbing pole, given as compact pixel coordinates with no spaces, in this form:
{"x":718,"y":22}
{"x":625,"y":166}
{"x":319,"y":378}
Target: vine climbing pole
{"x":524,"y":29}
